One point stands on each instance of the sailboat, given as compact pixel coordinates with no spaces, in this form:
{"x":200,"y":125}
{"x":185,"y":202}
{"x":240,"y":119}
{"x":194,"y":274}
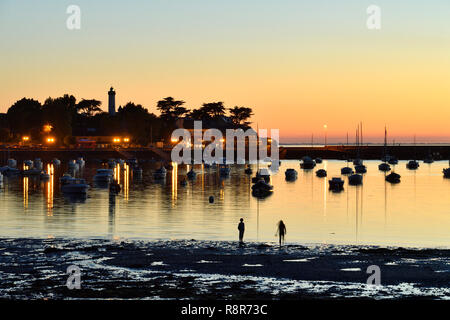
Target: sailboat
{"x":261,"y":187}
{"x":358,"y":163}
{"x":384,"y":166}
{"x":413,"y":164}
{"x":347,"y":169}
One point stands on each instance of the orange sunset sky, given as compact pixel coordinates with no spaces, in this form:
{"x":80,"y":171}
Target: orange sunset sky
{"x":298,"y":64}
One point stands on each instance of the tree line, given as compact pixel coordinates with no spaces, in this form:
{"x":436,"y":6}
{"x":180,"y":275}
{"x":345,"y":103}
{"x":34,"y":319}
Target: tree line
{"x":69,"y":117}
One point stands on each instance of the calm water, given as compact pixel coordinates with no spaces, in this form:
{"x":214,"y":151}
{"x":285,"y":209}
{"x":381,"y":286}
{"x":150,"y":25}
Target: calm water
{"x":415,"y":212}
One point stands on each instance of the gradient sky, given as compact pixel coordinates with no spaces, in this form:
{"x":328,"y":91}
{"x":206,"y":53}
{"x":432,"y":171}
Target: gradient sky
{"x":298,"y":64}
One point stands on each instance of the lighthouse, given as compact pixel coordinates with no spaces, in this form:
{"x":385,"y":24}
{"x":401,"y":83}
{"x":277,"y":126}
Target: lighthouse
{"x":112,"y":102}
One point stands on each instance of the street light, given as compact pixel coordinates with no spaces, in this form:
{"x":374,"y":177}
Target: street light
{"x":25,"y":138}
{"x":50,"y":140}
{"x":48,"y":128}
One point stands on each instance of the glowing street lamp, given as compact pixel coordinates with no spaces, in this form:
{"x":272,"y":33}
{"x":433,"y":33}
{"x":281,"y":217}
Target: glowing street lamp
{"x":48,"y":128}
{"x":126,"y":139}
{"x":116,"y":140}
{"x":25,"y":138}
{"x":50,"y":140}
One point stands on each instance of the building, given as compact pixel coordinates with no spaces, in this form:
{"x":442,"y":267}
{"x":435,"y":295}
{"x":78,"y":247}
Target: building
{"x":112,"y":102}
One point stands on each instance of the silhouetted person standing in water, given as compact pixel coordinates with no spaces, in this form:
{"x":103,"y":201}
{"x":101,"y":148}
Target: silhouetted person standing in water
{"x":281,"y":231}
{"x":241,"y":228}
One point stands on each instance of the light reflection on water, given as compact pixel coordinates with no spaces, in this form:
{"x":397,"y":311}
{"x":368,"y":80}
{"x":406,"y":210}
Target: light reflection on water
{"x":412,"y":213}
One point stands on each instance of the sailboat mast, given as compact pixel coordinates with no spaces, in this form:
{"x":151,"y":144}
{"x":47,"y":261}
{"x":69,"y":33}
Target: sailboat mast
{"x":361,"y":133}
{"x":257,"y":148}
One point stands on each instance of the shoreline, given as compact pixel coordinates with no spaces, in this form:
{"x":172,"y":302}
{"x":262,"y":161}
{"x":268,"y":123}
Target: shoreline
{"x":286,"y":152}
{"x":190,"y":269}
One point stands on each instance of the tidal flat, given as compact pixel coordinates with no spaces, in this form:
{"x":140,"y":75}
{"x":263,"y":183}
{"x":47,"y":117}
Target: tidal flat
{"x":33,"y":268}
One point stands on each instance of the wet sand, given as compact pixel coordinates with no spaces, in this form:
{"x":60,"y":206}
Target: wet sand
{"x":36,"y":269}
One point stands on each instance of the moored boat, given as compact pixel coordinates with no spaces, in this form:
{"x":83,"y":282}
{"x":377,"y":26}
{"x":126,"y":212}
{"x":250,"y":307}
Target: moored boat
{"x":355,"y":179}
{"x":262,"y":174}
{"x":412,"y":165}
{"x":307,"y":163}
{"x":393,"y":177}
{"x":336,"y":184}
{"x":262,"y":189}
{"x":104,"y":176}
{"x":360,"y":168}
{"x":346,"y":170}
{"x":321,"y":173}
{"x":384,"y":167}
{"x":74,"y":185}
{"x":291,"y":174}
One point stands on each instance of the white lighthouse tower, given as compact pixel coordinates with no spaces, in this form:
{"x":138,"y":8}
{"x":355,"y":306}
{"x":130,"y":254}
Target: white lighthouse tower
{"x":112,"y":102}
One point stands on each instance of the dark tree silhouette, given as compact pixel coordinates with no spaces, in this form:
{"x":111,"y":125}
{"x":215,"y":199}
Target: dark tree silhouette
{"x":23,"y":116}
{"x":89,"y":107}
{"x":28,"y":117}
{"x":59,"y":113}
{"x":240,"y":115}
{"x":199,"y":114}
{"x":171,"y":109}
{"x":214,"y":109}
{"x":138,"y":122}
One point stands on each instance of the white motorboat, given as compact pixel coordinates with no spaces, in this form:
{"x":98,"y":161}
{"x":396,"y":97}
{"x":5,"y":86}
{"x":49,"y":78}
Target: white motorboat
{"x":38,"y":164}
{"x":81,"y":162}
{"x":8,"y":171}
{"x":104,"y":175}
{"x":262,"y":174}
{"x":28,"y":163}
{"x":73,"y":166}
{"x":12,"y":163}
{"x":65,"y":179}
{"x":78,"y":186}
